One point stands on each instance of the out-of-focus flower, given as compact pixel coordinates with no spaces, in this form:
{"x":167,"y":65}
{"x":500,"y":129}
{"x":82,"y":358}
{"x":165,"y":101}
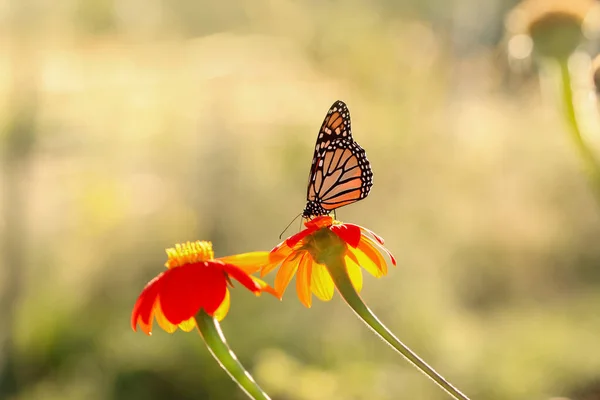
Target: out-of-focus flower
{"x":555,"y":28}
{"x":195,"y":281}
{"x":303,"y":254}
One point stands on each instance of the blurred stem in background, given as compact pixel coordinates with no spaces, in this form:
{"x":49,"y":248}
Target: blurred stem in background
{"x":573,"y":116}
{"x":553,"y":32}
{"x":18,"y":138}
{"x":213,"y":336}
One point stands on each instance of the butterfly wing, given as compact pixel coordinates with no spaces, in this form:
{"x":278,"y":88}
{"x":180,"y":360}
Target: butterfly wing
{"x":336,"y":125}
{"x":340,"y":172}
{"x":343,"y":175}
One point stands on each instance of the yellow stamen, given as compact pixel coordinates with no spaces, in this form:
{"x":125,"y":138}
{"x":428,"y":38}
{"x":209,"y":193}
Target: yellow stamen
{"x":189,"y":253}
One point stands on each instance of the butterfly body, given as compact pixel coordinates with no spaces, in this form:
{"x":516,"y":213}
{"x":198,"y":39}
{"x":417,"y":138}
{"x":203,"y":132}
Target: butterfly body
{"x":340,"y":173}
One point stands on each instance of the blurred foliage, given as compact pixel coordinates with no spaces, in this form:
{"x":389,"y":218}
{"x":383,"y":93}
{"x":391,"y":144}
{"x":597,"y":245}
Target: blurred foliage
{"x":129,"y":125}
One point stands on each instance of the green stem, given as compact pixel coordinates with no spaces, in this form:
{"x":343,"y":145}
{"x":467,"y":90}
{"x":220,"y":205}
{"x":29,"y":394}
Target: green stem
{"x":591,"y":163}
{"x":215,"y":341}
{"x":336,"y":267}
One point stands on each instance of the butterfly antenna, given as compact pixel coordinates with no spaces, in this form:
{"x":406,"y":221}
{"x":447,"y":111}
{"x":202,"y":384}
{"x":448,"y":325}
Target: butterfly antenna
{"x":286,"y":228}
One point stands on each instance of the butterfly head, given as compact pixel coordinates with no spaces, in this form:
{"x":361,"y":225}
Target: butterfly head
{"x":314,"y":209}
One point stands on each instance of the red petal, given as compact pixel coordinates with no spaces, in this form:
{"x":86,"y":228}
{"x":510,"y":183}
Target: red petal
{"x":242,"y":277}
{"x":319,"y":222}
{"x":191,"y":287}
{"x":142,"y":310}
{"x":293,"y":240}
{"x":349,"y":233}
{"x":391,"y":257}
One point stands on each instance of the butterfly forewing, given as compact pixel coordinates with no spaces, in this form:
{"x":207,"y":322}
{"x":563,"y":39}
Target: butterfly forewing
{"x":340,"y":172}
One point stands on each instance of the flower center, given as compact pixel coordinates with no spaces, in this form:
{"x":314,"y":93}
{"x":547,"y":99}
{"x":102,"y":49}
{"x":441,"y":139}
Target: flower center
{"x":189,"y":253}
{"x":322,"y":221}
{"x":322,"y":243}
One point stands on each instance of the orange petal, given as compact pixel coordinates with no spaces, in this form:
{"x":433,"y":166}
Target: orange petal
{"x":303,"y":280}
{"x":319,"y":222}
{"x":188,"y":326}
{"x":286,"y":273}
{"x":354,"y":273}
{"x":279,"y":252}
{"x":248,"y":262}
{"x":146,"y":326}
{"x":268,"y":268}
{"x":367,"y":247}
{"x":321,"y":282}
{"x":361,"y":259}
{"x":276,"y":256}
{"x":264,"y":287}
{"x":223,"y":309}
{"x":382,"y":248}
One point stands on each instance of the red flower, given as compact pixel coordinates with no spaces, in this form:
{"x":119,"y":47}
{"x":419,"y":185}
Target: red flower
{"x":298,"y":255}
{"x":195,"y":281}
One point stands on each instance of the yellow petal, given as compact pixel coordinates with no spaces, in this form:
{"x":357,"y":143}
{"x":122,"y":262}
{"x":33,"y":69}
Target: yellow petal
{"x":286,"y":272}
{"x":188,"y":325}
{"x":162,"y":321}
{"x":361,"y":259}
{"x":303,"y":280}
{"x":354,"y":273}
{"x":249,"y":262}
{"x":321,"y":282}
{"x":223,"y":309}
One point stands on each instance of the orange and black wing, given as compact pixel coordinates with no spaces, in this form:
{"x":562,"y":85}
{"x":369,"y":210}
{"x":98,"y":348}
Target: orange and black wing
{"x":340,"y":172}
{"x":336,"y":125}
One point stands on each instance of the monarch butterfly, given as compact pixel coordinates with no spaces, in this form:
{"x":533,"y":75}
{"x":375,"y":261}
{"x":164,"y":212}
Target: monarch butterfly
{"x":340,"y":173}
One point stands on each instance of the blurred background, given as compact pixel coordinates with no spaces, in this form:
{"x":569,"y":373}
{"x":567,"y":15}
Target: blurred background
{"x":129,"y":126}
